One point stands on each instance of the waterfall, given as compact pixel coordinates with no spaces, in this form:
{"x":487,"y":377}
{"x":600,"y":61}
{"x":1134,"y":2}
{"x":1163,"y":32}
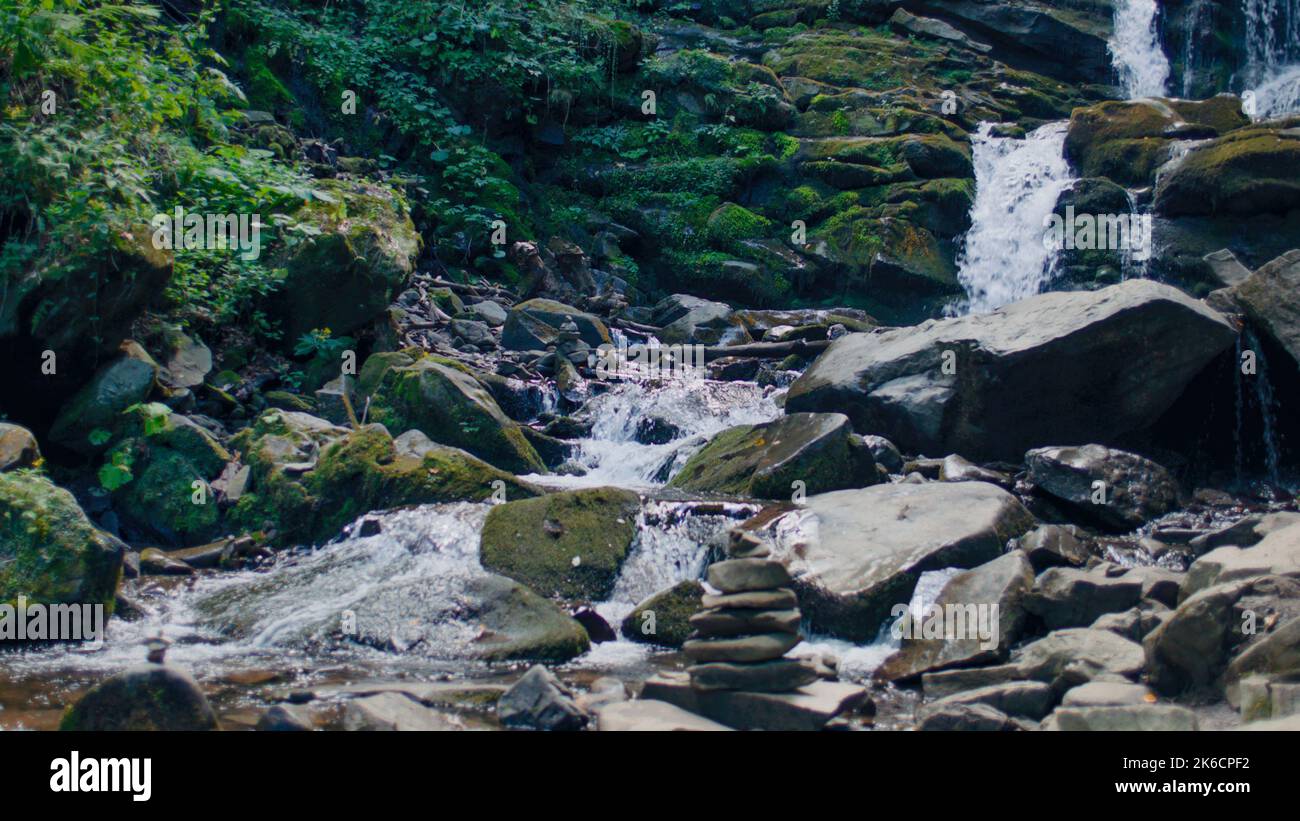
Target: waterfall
{"x":1263,"y":390}
{"x":1272,"y":60}
{"x":1135,"y":49}
{"x":1005,"y":257}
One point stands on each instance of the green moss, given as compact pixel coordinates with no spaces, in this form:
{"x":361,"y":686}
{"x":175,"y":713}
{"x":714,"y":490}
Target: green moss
{"x":669,"y":611}
{"x":731,"y":223}
{"x":568,"y":544}
{"x":49,"y":551}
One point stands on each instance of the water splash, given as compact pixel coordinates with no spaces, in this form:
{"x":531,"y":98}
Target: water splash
{"x":1278,"y":96}
{"x":1017,"y":184}
{"x":644,"y":431}
{"x":1135,"y":50}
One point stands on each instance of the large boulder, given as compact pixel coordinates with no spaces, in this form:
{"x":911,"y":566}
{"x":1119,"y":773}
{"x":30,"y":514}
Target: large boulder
{"x":1271,"y":299}
{"x":124,"y":382}
{"x":685,"y":319}
{"x":49,"y":550}
{"x":992,"y":386}
{"x":535,"y":324}
{"x":1073,"y":597}
{"x":854,"y":554}
{"x":1119,"y":489}
{"x":1001,"y":584}
{"x":1068,"y":658}
{"x":1251,"y":171}
{"x":445,"y":401}
{"x":149,"y":697}
{"x":361,"y":248}
{"x":568,"y":544}
{"x":766,"y":460}
{"x":309,"y":478}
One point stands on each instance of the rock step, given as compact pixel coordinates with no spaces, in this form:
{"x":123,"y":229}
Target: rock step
{"x":744,"y":575}
{"x":726,"y":621}
{"x":780,"y":599}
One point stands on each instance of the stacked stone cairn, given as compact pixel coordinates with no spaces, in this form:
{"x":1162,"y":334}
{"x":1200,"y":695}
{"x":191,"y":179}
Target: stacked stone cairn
{"x":742,"y":634}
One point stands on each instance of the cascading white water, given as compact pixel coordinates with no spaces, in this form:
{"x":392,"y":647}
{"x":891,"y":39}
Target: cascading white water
{"x":1135,"y":50}
{"x":1005,"y":257}
{"x":677,"y":413}
{"x":1272,"y":68}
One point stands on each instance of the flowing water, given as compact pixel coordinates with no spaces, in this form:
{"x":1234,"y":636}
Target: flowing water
{"x":1135,"y":49}
{"x":1005,"y":257}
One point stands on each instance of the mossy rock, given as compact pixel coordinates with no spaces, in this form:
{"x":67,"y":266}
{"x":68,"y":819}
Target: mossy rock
{"x":284,"y":400}
{"x":900,"y":258}
{"x":766,"y":461}
{"x":729,"y":224}
{"x":569,"y":545}
{"x":450,"y":406}
{"x":363,"y":248}
{"x":151,"y":697}
{"x":49,"y":551}
{"x":355,"y":472}
{"x":668,"y":612}
{"x":521,"y":335}
{"x":160,"y":498}
{"x":1251,"y":171}
{"x":447,"y":300}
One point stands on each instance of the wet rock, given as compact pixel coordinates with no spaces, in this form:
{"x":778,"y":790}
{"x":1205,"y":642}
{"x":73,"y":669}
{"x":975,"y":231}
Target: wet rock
{"x":1251,"y":171}
{"x":652,"y":716}
{"x":1148,"y":717}
{"x":894,"y":383}
{"x":811,"y":706}
{"x":449,"y":404}
{"x":738,"y":622}
{"x":1133,"y":490}
{"x":1030,"y":699}
{"x":767,"y":460}
{"x":309,"y":478}
{"x":149,"y":697}
{"x":539,"y":701}
{"x":394,"y":712}
{"x":742,"y":649}
{"x":683,"y":318}
{"x":951,"y":716}
{"x":49,"y":551}
{"x":18,"y":448}
{"x":595,"y":625}
{"x":665,"y":617}
{"x":1247,"y":531}
{"x":604,"y":690}
{"x":1269,"y":297}
{"x":757,"y":599}
{"x":284,"y":718}
{"x":776,"y":676}
{"x":1002,"y":584}
{"x":569,"y":544}
{"x":154,"y":562}
{"x":1052,"y":546}
{"x":1070,"y":597}
{"x":862,"y":551}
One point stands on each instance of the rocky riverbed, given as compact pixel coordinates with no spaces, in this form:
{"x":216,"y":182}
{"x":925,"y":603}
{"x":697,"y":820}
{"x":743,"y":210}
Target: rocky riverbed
{"x":656,"y":461}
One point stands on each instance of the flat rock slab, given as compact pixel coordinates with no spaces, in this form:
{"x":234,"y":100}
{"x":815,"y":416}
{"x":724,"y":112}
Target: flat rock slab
{"x":856,"y":553}
{"x":762,"y":647}
{"x":394,"y":711}
{"x":753,"y":600}
{"x":776,"y":676}
{"x":808,"y":708}
{"x":1107,"y":694}
{"x":738,"y":622}
{"x":649,"y":715}
{"x":745,"y":575}
{"x":1151,"y":717}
